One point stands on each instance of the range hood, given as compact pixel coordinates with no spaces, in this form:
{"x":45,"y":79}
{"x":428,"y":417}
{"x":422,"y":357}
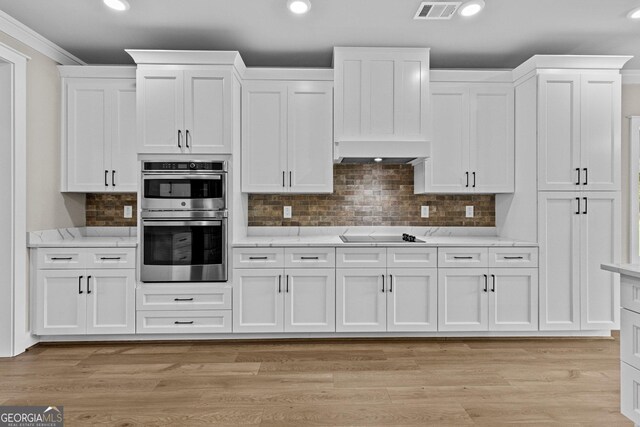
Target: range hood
{"x":381,"y":160}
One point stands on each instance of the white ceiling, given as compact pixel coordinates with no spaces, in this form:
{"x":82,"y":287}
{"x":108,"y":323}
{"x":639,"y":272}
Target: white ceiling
{"x":505,"y":34}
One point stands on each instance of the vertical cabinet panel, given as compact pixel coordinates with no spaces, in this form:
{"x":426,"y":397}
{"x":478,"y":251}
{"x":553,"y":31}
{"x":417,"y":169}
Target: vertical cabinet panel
{"x":123,"y":143}
{"x":310,"y":300}
{"x":160,"y":111}
{"x":360,"y":300}
{"x":111,"y":301}
{"x":600,"y":243}
{"x":559,"y":228}
{"x":380,"y":104}
{"x":258,"y":301}
{"x":462,"y":299}
{"x":60,"y":307}
{"x":412,"y":299}
{"x":513,"y":299}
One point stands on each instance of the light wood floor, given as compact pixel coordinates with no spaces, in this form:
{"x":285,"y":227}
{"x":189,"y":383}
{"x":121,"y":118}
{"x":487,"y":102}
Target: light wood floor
{"x":410,"y":382}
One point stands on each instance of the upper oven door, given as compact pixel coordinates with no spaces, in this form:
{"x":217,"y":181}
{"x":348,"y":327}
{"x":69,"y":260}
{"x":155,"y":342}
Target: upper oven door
{"x":184,"y":191}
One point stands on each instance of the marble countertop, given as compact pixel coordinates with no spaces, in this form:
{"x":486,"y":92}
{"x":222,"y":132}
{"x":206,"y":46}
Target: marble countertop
{"x":84,"y":237}
{"x":632,"y":270}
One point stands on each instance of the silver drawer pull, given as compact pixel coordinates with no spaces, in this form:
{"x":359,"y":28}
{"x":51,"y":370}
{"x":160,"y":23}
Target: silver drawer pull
{"x":257,"y":257}
{"x":183,"y":299}
{"x":309,"y":257}
{"x":106,"y":258}
{"x":67,"y":258}
{"x":179,"y":322}
{"x":462,"y":257}
{"x":513,"y":257}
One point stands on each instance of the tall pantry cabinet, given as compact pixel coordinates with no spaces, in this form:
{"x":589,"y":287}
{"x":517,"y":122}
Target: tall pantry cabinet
{"x":568,"y":117}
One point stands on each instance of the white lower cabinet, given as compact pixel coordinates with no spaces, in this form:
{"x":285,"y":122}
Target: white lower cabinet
{"x":110,"y":301}
{"x":277,"y":300}
{"x":630,"y":392}
{"x":361,"y":300}
{"x":412,"y":300}
{"x":513,"y":299}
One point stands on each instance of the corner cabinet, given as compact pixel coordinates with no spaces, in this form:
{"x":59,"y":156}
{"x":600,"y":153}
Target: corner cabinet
{"x":472,"y":149}
{"x":98,"y":129}
{"x":287,"y":136}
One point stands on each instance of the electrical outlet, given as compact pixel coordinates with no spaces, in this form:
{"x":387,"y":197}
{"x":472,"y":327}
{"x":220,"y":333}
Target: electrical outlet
{"x":469,"y":212}
{"x":128,"y":212}
{"x":424,"y":211}
{"x":287,"y":212}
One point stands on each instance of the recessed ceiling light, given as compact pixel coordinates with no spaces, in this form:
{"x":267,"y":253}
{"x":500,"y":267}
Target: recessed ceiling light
{"x":634,"y":14}
{"x":299,"y":6}
{"x":471,"y":8}
{"x":120,"y":5}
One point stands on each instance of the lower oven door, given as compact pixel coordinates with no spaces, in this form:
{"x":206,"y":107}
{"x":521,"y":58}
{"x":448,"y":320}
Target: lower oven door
{"x":184,"y":251}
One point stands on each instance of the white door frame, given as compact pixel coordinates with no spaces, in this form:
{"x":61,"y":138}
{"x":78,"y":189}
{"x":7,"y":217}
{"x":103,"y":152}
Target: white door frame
{"x":634,"y":166}
{"x":15,"y":336}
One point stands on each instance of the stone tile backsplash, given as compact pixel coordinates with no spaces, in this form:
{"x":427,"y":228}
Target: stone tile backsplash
{"x":107,"y":210}
{"x":371,"y":195}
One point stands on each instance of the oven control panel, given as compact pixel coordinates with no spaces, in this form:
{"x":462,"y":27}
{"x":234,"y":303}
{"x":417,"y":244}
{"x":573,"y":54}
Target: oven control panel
{"x":184,"y":166}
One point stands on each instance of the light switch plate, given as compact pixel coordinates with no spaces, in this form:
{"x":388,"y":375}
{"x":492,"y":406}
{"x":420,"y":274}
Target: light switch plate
{"x":287,"y":212}
{"x":469,"y":212}
{"x":128,"y":212}
{"x":424,"y":211}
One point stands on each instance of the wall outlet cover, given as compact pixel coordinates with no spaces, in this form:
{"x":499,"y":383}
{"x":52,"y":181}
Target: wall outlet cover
{"x":128,"y":212}
{"x":287,"y":212}
{"x":424,"y":211}
{"x":469,"y":212}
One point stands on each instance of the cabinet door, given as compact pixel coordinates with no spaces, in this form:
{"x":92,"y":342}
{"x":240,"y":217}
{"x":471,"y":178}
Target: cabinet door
{"x":160,"y":111}
{"x":600,"y":244}
{"x":111,"y":307}
{"x":310,"y":137}
{"x":123,"y":141}
{"x":264,"y":127}
{"x":463,"y":299}
{"x":600,"y":101}
{"x":258,"y":300}
{"x":61,"y":302}
{"x":207,"y":111}
{"x":558,"y":132}
{"x":559,"y":238}
{"x":447,"y":170}
{"x":412,"y":300}
{"x":492,"y":139}
{"x":88,"y":134}
{"x":361,"y":300}
{"x":513,"y":299}
{"x":310,"y":300}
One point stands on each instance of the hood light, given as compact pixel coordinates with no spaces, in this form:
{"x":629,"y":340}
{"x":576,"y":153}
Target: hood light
{"x":299,"y":7}
{"x":634,"y":14}
{"x":119,"y":5}
{"x":377,"y":160}
{"x":471,"y":8}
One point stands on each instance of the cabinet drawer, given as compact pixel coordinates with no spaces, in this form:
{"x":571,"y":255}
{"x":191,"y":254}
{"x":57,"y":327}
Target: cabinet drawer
{"x":183,"y":322}
{"x":630,"y":392}
{"x":463,"y":257}
{"x":412,"y":257}
{"x":630,"y":338}
{"x":630,"y":293}
{"x":111,"y":258}
{"x":513,"y":257}
{"x":60,"y":258}
{"x":184,"y":297}
{"x":309,"y":257}
{"x":361,"y":257}
{"x":258,"y":258}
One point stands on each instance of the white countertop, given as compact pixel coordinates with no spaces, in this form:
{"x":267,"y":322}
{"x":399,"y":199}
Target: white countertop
{"x":85,"y":237}
{"x":624,"y":269}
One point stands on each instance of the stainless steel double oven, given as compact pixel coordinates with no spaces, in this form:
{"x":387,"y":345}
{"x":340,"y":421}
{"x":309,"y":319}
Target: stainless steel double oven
{"x":184,"y":221}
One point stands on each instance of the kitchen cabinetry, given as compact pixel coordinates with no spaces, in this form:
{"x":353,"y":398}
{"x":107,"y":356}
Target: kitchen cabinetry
{"x":578,"y":232}
{"x":579,"y":132}
{"x":94,"y":297}
{"x":291,"y":299}
{"x":476,"y":296}
{"x":381,"y":102}
{"x":99,"y":129}
{"x":287,"y":136}
{"x":472,"y":149}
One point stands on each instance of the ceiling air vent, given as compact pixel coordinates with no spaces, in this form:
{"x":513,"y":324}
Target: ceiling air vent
{"x":437,"y":10}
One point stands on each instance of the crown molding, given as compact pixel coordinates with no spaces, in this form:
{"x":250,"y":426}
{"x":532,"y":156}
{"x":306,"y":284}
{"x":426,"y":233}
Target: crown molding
{"x":26,"y":35}
{"x":630,"y":77}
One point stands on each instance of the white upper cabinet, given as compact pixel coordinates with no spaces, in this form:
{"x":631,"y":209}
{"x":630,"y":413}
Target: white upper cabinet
{"x":472,"y":149}
{"x":381,"y":102}
{"x":579,"y":131}
{"x":99,"y":130}
{"x":286,"y":136}
{"x":184,"y":110}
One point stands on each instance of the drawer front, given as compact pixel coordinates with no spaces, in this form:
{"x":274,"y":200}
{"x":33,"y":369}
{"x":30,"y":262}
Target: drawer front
{"x":55,"y":258}
{"x":412,"y":257}
{"x":463,"y":257}
{"x":630,"y":293}
{"x":184,"y":297}
{"x":258,"y":258}
{"x":310,"y":257}
{"x":111,"y":258}
{"x":630,"y":392}
{"x":630,"y":338}
{"x":513,"y":257}
{"x":183,"y":322}
{"x":361,"y":257}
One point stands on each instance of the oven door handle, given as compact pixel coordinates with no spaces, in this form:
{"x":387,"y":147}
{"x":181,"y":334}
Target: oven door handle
{"x":171,"y":223}
{"x":217,"y":176}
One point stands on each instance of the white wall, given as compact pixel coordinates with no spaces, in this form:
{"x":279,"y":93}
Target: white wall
{"x":630,"y":107}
